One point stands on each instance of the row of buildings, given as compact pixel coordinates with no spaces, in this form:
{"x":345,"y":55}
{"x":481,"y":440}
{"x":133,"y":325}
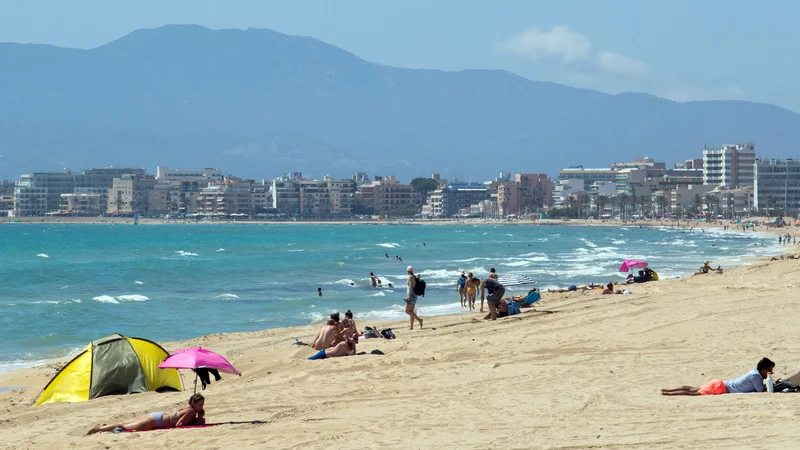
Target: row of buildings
{"x":728,"y":181}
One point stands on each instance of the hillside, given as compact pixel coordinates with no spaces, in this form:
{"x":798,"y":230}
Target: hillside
{"x":186,"y":96}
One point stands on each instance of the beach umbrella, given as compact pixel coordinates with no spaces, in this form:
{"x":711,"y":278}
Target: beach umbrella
{"x":630,"y":264}
{"x":198,"y":358}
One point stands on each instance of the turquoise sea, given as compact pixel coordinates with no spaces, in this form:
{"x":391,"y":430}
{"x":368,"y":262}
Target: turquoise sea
{"x":62,"y":286}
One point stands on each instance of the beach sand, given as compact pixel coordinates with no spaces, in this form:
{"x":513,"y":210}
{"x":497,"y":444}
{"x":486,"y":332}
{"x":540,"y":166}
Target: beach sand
{"x":582,"y":370}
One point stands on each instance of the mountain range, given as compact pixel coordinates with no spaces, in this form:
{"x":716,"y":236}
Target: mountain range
{"x":258,"y":103}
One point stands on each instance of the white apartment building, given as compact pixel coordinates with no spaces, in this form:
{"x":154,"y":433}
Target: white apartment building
{"x":777,"y":185}
{"x":730,"y":166}
{"x":164,"y":173}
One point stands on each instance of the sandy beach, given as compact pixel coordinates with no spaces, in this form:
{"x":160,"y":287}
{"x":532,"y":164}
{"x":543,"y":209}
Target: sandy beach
{"x":580,"y":370}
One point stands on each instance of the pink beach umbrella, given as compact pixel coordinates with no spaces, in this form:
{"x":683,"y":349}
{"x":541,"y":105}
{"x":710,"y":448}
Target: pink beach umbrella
{"x":630,"y":264}
{"x":198,"y":358}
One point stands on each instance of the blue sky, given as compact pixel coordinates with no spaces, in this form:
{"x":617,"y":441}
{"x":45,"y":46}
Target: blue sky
{"x":678,"y":49}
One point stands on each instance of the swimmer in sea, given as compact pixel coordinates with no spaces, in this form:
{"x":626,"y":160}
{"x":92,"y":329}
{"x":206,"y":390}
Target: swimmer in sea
{"x":319,"y":292}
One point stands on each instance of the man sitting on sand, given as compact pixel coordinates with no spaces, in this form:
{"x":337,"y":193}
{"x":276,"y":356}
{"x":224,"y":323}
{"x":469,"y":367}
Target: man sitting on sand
{"x":327,"y":334}
{"x":752,"y":381}
{"x":706,"y":268}
{"x":344,"y":348}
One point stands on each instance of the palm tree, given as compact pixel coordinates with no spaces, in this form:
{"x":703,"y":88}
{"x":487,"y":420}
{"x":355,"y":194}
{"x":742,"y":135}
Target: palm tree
{"x":698,"y":203}
{"x":711,"y":200}
{"x":624,"y":201}
{"x":642,"y":200}
{"x":583,"y":201}
{"x":601,"y":201}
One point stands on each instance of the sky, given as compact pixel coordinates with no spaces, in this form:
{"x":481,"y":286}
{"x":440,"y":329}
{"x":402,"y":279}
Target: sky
{"x":683,"y":50}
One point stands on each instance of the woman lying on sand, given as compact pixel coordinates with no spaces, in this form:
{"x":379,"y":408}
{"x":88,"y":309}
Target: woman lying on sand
{"x":191,"y":415}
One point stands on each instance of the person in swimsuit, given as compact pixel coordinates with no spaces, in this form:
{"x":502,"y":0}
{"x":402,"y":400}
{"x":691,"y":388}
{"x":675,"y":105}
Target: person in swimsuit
{"x":472,"y":289}
{"x":327,"y":334}
{"x":373,"y":279}
{"x":344,"y":348}
{"x":461,"y":289}
{"x":493,"y":273}
{"x":191,"y":415}
{"x":411,"y":300}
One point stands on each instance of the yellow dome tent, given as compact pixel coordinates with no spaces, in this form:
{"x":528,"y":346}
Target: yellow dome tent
{"x":113,"y":365}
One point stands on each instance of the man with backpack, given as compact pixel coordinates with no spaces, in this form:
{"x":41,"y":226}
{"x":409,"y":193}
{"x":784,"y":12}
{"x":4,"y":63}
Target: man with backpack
{"x":411,"y":300}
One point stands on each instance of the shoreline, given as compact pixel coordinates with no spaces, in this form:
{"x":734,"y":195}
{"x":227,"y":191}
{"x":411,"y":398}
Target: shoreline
{"x":666,"y":333}
{"x":745,"y":262}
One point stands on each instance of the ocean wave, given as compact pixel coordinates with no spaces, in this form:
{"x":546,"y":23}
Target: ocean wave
{"x":120,"y":298}
{"x":132,"y":298}
{"x":297,"y":250}
{"x":42,"y":255}
{"x":105,"y":299}
{"x":227,"y":296}
{"x":378,"y":294}
{"x":344,"y":281}
{"x":617,"y":241}
{"x":523,"y":263}
{"x":388,"y":245}
{"x":479,"y":258}
{"x":138,"y":282}
{"x":184,"y":253}
{"x":49,"y":302}
{"x":220,"y":250}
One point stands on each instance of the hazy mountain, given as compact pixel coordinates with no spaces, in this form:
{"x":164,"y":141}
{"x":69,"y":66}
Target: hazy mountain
{"x":259,"y":103}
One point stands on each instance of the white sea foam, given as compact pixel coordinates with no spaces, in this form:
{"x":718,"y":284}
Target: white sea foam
{"x":49,"y":302}
{"x":378,"y":294}
{"x":183,"y":253}
{"x":42,"y":255}
{"x":120,"y":298}
{"x":297,"y":250}
{"x":440,"y":273}
{"x":133,"y":298}
{"x":220,"y":250}
{"x":388,"y":245}
{"x":522,"y":263}
{"x":138,"y":282}
{"x":105,"y":299}
{"x":398,"y":312}
{"x":617,"y":241}
{"x":345,"y":281}
{"x":227,"y":296}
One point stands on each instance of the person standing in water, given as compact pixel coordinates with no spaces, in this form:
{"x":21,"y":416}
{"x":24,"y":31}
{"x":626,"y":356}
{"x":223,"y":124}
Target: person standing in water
{"x":493,"y":273}
{"x":373,"y":279}
{"x":411,"y":300}
{"x":461,"y":289}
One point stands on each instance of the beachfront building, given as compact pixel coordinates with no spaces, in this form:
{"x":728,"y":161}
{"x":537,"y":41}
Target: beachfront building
{"x":386,"y":194}
{"x":129,"y":194}
{"x":730,"y":166}
{"x":39,"y":193}
{"x":528,"y":192}
{"x":508,"y":198}
{"x":566,"y":188}
{"x":297,"y":196}
{"x":686,"y":198}
{"x":732,"y":202}
{"x":165,"y":174}
{"x":447,"y":201}
{"x":231,"y":196}
{"x":777,"y":186}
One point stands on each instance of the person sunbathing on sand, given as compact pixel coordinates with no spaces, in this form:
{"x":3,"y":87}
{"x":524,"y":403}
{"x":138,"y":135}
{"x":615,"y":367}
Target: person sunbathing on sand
{"x":327,"y":334}
{"x":191,"y":415}
{"x":752,"y":381}
{"x":344,"y":348}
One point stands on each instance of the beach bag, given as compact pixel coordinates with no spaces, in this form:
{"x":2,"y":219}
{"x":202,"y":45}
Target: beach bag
{"x":513,"y":309}
{"x":370,"y":333}
{"x":419,"y":287}
{"x":387,"y":333}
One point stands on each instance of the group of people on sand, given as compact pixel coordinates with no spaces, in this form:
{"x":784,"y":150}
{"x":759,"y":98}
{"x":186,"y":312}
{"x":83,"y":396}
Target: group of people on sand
{"x":336,"y":338}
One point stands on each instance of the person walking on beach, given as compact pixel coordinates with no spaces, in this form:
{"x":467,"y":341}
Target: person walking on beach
{"x":462,"y":290}
{"x":496,"y":293}
{"x":472,"y":290}
{"x":411,"y":300}
{"x":750,"y":382}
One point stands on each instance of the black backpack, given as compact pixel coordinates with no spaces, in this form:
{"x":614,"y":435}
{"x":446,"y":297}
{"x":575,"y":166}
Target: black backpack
{"x":419,"y":287}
